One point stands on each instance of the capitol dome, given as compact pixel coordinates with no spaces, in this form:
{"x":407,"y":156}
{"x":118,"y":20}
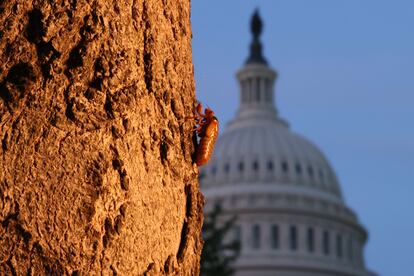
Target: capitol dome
{"x":291,"y":217}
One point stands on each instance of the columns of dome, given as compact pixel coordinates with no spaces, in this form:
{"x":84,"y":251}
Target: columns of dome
{"x":256,"y":89}
{"x":295,"y":244}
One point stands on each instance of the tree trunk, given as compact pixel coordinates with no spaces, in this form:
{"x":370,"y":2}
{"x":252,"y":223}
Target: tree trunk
{"x":96,"y":157}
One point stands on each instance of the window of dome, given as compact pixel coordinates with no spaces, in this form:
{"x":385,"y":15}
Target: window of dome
{"x":255,"y":166}
{"x":325,"y":242}
{"x":233,"y":200}
{"x":293,"y":236}
{"x":227,"y":168}
{"x":268,"y":90}
{"x":310,"y":171}
{"x":285,"y":167}
{"x":350,"y":249}
{"x":339,"y":246}
{"x":249,"y":91}
{"x":274,"y":232}
{"x":241,"y":166}
{"x":256,"y":236}
{"x":270,"y":165}
{"x":321,"y":175}
{"x":213,"y":170}
{"x":298,"y":168}
{"x":237,"y":234}
{"x":310,"y":239}
{"x":244,"y":92}
{"x":252,"y":199}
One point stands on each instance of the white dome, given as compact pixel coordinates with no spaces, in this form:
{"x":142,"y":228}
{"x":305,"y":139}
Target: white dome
{"x":254,"y":150}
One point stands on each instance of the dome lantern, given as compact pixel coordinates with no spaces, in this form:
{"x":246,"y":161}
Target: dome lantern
{"x":256,"y":79}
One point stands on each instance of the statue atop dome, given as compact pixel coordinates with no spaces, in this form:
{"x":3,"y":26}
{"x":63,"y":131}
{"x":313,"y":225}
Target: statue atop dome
{"x":256,"y":24}
{"x":256,"y":27}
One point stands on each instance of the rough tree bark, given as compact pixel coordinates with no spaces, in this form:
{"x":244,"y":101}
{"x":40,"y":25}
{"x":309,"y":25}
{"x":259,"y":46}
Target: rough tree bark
{"x":96,"y":154}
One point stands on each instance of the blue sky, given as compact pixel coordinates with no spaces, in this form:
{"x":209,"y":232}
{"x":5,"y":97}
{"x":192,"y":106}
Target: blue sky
{"x":346,"y":82}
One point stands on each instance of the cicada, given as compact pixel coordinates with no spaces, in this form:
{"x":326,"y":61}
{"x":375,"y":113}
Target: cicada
{"x":207,"y":129}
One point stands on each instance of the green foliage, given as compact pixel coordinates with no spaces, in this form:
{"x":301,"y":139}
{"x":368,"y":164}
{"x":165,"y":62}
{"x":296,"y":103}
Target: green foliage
{"x":217,"y":256}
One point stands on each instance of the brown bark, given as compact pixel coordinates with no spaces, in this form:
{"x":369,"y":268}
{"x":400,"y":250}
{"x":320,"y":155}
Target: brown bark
{"x":96,"y":165}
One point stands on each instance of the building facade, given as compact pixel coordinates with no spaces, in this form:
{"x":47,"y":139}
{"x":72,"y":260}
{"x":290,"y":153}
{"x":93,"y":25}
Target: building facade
{"x":291,"y":217}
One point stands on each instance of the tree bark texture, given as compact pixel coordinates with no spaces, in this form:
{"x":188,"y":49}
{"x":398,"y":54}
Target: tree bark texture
{"x":96,"y":156}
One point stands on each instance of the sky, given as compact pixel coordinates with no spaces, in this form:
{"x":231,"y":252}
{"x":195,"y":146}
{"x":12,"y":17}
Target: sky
{"x":346,"y":82}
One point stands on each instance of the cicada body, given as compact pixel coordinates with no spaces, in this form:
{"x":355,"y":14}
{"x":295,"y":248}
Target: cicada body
{"x":208,"y":129}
